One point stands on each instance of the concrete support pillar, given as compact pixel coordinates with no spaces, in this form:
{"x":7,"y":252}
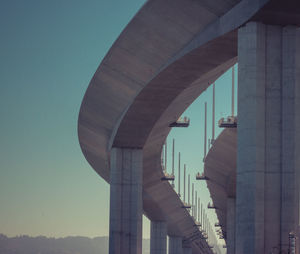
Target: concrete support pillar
{"x":290,"y":134}
{"x":158,"y":237}
{"x":126,"y":204}
{"x":230,"y":226}
{"x":267,"y":203}
{"x":186,"y":250}
{"x":175,"y":245}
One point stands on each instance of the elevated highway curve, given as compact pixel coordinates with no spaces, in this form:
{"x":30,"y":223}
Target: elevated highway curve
{"x":168,"y":54}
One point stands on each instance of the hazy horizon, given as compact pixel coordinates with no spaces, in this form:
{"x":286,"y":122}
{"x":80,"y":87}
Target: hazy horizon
{"x":67,"y":245}
{"x":1,"y":234}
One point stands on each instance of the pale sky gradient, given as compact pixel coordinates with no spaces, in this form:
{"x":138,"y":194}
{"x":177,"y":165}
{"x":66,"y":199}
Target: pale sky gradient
{"x":49,"y":52}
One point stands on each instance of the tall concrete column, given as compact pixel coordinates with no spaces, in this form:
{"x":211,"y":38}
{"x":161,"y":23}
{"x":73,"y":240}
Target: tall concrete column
{"x":230,"y":226}
{"x":158,"y":237}
{"x":126,"y":204}
{"x":266,"y":195}
{"x":290,"y":133}
{"x":186,"y":250}
{"x":175,"y":245}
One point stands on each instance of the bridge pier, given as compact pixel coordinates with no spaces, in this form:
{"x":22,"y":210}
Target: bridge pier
{"x":230,"y":226}
{"x":158,"y":237}
{"x":175,"y":245}
{"x":186,"y":250}
{"x":268,"y":138}
{"x":126,"y":204}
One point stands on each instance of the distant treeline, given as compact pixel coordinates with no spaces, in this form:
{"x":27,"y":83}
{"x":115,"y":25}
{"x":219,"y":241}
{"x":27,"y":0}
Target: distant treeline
{"x":67,"y":245}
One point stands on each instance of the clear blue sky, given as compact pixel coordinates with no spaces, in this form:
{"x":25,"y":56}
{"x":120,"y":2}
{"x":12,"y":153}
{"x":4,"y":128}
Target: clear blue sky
{"x":49,"y":52}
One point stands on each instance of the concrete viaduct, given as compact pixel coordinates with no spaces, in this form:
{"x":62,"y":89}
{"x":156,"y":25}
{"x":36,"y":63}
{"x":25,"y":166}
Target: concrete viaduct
{"x":169,"y":53}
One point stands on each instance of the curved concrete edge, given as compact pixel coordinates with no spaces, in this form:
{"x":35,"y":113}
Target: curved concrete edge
{"x":220,"y":168}
{"x":157,"y":32}
{"x":122,"y":49}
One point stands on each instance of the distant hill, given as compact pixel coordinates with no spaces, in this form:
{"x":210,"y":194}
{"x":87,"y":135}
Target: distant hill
{"x":67,"y":245}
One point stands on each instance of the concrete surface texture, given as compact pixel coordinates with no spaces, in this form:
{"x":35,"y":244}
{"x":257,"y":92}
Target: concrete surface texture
{"x":220,"y":168}
{"x":126,"y":202}
{"x":158,"y":237}
{"x":175,"y":245}
{"x":267,"y":200}
{"x":230,"y":225}
{"x":186,"y":250}
{"x":164,"y":59}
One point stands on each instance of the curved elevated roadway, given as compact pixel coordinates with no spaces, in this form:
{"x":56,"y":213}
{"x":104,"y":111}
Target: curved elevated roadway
{"x":163,"y":60}
{"x":220,"y":169}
